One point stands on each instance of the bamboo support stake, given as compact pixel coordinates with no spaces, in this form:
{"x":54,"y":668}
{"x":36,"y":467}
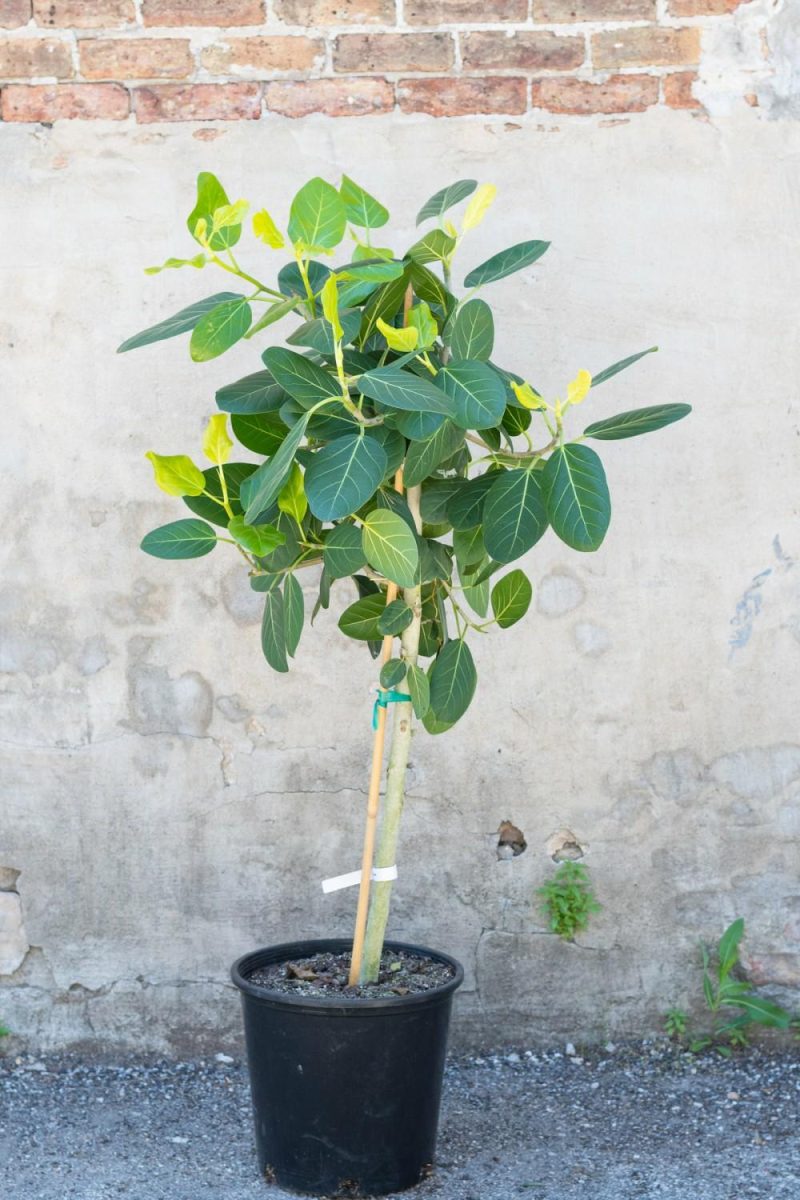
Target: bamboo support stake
{"x":373,"y":796}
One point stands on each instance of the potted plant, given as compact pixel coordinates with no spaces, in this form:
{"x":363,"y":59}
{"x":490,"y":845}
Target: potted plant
{"x":399,"y":458}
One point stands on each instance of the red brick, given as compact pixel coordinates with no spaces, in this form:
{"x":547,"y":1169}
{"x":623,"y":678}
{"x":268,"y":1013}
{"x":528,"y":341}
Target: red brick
{"x":678,"y":90}
{"x":393,"y":52}
{"x":135,"y":58}
{"x":464,"y":12}
{"x":458,"y":97}
{"x":263,"y":54}
{"x":14,"y":13}
{"x":334,"y":97}
{"x":619,"y":94}
{"x":28,"y":58}
{"x":335,"y":12}
{"x":84,"y":14}
{"x":198,"y":102}
{"x":204,"y":12}
{"x":594,"y":10}
{"x":644,"y":47}
{"x":524,"y":51}
{"x":66,"y":101}
{"x":702,"y":8}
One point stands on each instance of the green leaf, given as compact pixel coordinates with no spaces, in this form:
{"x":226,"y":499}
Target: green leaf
{"x":268,"y":479}
{"x":445,"y":199}
{"x":275,"y":312}
{"x":180,"y":322}
{"x":220,"y":329}
{"x":435,"y":495}
{"x":470,"y":332}
{"x":212,"y":509}
{"x":361,"y":209}
{"x":421,"y":319}
{"x":360,"y":620}
{"x":397,"y":388}
{"x":765,"y":1012}
{"x":384,"y":304}
{"x":477,"y":596}
{"x":273,"y":630}
{"x":391,"y":547}
{"x":344,"y":475}
{"x":419,"y":690}
{"x":511,"y":598}
{"x":469,"y":548}
{"x":423,"y":458}
{"x":377,"y":271}
{"x":318,"y":334}
{"x":429,"y":287}
{"x":256,"y":393}
{"x":189,"y":538}
{"x":465,"y":508}
{"x":300,"y":377}
{"x":292,"y":496}
{"x":317,"y":217}
{"x":294,"y":613}
{"x":514,"y":515}
{"x":452,"y":681}
{"x":260,"y":432}
{"x":258,"y":539}
{"x":435,"y":246}
{"x":393,"y":443}
{"x":637,"y":421}
{"x":516,"y":420}
{"x":417,"y":426}
{"x":343,"y":554}
{"x":435,"y":561}
{"x":176,"y":474}
{"x":578,"y":504}
{"x":199,"y":261}
{"x":392,"y":672}
{"x":477,"y":392}
{"x":396,"y":617}
{"x":505,"y":263}
{"x":290,"y":281}
{"x":728,"y":949}
{"x":211,"y":196}
{"x":616,"y":367}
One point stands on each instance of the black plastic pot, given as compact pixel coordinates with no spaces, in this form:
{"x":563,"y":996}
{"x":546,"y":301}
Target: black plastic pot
{"x":345,"y":1091}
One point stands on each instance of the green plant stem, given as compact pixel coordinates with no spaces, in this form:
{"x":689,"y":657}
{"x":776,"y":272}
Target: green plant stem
{"x":386,"y":852}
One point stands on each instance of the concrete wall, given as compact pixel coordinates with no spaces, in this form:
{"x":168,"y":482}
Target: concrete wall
{"x":169,"y":803}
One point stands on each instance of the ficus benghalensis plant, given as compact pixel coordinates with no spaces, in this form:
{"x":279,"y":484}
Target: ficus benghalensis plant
{"x":392,"y":452}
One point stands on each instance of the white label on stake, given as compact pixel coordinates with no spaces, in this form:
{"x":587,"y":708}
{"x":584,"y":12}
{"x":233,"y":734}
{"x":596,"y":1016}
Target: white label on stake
{"x":379,"y":875}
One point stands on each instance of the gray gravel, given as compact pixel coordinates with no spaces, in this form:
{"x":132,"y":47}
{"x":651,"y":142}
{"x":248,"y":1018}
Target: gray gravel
{"x":631,"y":1121}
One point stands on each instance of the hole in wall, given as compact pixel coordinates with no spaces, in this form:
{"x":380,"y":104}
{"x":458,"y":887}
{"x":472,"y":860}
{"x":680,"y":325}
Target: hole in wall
{"x":510,"y":840}
{"x":564,"y":846}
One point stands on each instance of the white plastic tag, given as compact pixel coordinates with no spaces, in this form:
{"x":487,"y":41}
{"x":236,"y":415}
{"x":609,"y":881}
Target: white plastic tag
{"x":379,"y":875}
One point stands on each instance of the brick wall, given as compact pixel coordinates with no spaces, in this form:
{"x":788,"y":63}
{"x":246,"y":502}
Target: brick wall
{"x":197,"y":60}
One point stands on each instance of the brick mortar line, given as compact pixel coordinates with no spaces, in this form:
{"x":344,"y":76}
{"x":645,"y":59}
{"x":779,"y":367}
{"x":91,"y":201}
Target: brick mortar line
{"x":293,"y":75}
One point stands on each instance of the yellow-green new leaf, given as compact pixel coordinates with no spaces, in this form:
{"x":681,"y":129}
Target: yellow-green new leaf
{"x":292,"y":496}
{"x":578,"y":389}
{"x":421,"y":318}
{"x":403,"y":340}
{"x":228,"y":215}
{"x":267,"y":231}
{"x":527,"y":396}
{"x":478,"y":206}
{"x":198,"y":261}
{"x":330,"y":306}
{"x":176,"y":474}
{"x":217,"y":445}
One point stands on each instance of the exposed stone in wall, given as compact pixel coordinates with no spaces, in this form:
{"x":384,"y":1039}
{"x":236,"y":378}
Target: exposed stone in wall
{"x":13,"y":942}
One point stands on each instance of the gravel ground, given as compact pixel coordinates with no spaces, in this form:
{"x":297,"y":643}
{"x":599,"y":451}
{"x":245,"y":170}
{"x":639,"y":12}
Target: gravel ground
{"x":612,"y":1124}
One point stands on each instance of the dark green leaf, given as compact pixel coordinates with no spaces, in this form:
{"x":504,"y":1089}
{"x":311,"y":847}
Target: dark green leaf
{"x":616,"y":367}
{"x":377,"y":271}
{"x":765,"y":1012}
{"x":469,"y":548}
{"x":180,"y":322}
{"x":511,"y":598}
{"x":273,"y":630}
{"x":578,"y":504}
{"x":256,"y":393}
{"x":477,"y":597}
{"x":470,"y":332}
{"x":360,"y":620}
{"x":343,"y":475}
{"x":362,"y":209}
{"x":397,"y":388}
{"x":429,"y":287}
{"x":270,"y":477}
{"x":300,"y":377}
{"x":435,"y":495}
{"x":637,"y":421}
{"x":514,"y":515}
{"x":728,"y":949}
{"x":189,"y":538}
{"x":435,"y":561}
{"x":343,"y":554}
{"x":318,"y":335}
{"x":516,"y":420}
{"x":264,"y":582}
{"x":220,"y":329}
{"x":506,"y":262}
{"x":396,"y":617}
{"x":210,"y":510}
{"x":394,"y":444}
{"x":389,"y":498}
{"x":211,"y":196}
{"x":317,"y":215}
{"x":391,"y":547}
{"x":392,"y":672}
{"x":274,"y":313}
{"x":290,"y":281}
{"x":259,"y":539}
{"x":452,"y":680}
{"x":293,"y":613}
{"x":417,"y":426}
{"x":478,"y":395}
{"x":465,"y":508}
{"x":423,"y":458}
{"x":419,"y":690}
{"x":260,"y":432}
{"x":435,"y":246}
{"x":445,"y":199}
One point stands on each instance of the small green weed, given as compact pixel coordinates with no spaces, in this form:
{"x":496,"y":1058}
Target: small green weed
{"x":568,"y":900}
{"x":676,"y":1024}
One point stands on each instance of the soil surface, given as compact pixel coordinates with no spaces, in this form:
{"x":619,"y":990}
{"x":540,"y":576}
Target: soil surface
{"x":629,"y":1122}
{"x":326,"y":974}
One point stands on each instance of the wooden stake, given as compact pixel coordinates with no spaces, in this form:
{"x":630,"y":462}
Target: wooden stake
{"x":373,"y":796}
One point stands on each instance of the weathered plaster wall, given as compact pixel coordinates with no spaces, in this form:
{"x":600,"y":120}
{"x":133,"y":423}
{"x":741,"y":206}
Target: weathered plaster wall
{"x":169,"y":803}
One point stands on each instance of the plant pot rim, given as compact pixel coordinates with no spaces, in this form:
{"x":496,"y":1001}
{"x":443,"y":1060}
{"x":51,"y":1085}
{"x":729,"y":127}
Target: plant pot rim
{"x":339,"y":1005}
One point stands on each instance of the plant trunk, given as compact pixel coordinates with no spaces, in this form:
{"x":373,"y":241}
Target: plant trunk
{"x":392,"y":809}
